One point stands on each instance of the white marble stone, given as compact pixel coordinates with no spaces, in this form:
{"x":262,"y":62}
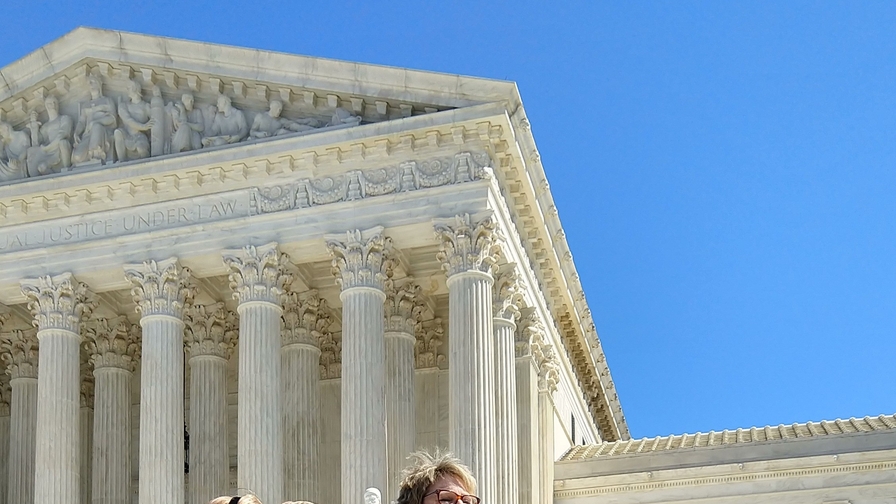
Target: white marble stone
{"x":161,"y":292}
{"x":210,"y":336}
{"x":331,"y":441}
{"x":19,"y":353}
{"x":58,"y":303}
{"x":468,"y":255}
{"x":506,"y":302}
{"x":4,"y":456}
{"x":257,"y":280}
{"x":361,"y":266}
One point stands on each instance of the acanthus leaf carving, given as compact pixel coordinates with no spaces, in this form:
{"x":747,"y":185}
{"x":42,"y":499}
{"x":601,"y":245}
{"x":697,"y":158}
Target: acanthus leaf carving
{"x":257,"y":273}
{"x":361,"y":258}
{"x":112,"y":343}
{"x":160,"y":287}
{"x":403,"y":306}
{"x":58,"y":302}
{"x":18,"y":350}
{"x":467,"y":243}
{"x":507,"y":293}
{"x":430,"y":336}
{"x":306,"y":319}
{"x":210,"y":330}
{"x":330,"y":357}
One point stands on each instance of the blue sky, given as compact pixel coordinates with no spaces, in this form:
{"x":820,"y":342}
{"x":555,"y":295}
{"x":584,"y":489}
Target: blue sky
{"x":725,"y":173}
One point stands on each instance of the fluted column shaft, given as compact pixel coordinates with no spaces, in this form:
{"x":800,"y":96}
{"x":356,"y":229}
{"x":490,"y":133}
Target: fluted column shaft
{"x":471,"y":375}
{"x":4,"y":455}
{"x":301,"y":421}
{"x":527,"y":429}
{"x":161,"y":291}
{"x":210,"y":336}
{"x":112,"y":436}
{"x":86,"y":461}
{"x":546,"y":445}
{"x":361,"y":265}
{"x":400,"y":405}
{"x":22,"y":439}
{"x":57,"y":304}
{"x":506,"y":439}
{"x":209,"y":461}
{"x":162,"y":410}
{"x":257,"y":280}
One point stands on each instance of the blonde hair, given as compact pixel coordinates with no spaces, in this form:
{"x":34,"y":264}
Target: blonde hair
{"x":246,"y":499}
{"x":425,"y":469}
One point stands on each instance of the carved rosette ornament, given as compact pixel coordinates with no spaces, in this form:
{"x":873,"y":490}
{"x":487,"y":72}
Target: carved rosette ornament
{"x":430,"y":335}
{"x":467,"y":243}
{"x":58,"y":302}
{"x":18,"y":349}
{"x":160,"y":287}
{"x":330,"y":357}
{"x":257,"y":273}
{"x":403,"y":306}
{"x":113,"y":343}
{"x":361,"y":258}
{"x":508,"y":297}
{"x":210,"y":330}
{"x":306,"y":319}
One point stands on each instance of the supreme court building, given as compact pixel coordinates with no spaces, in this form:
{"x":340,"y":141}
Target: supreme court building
{"x":226,"y":270}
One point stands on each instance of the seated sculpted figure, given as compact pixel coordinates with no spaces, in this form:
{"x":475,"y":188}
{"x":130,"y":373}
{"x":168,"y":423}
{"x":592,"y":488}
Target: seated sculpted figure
{"x":130,"y":139}
{"x":93,"y":134}
{"x":229,"y":125}
{"x":13,"y":153}
{"x":268,"y":124}
{"x":188,"y":125}
{"x":342,"y":117}
{"x":51,"y":150}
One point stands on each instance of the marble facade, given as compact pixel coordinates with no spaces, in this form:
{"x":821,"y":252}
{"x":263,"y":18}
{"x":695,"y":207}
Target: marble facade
{"x":224,"y":270}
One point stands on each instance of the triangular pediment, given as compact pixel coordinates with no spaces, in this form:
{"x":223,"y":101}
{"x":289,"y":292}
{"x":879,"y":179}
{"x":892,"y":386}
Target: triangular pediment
{"x":315,"y":94}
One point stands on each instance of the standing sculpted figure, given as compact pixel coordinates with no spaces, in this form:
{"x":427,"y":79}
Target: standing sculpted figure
{"x":160,"y":133}
{"x":14,"y":151}
{"x":229,"y":125}
{"x":96,"y":123}
{"x":188,"y":124}
{"x":268,"y":124}
{"x":51,"y":150}
{"x":130,"y":141}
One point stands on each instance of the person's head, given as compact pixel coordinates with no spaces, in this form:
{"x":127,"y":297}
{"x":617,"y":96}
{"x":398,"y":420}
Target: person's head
{"x":52,"y":106}
{"x":95,"y":85}
{"x":430,"y":475}
{"x":224,"y":103}
{"x":187,"y":100}
{"x":134,"y":90}
{"x":246,"y":499}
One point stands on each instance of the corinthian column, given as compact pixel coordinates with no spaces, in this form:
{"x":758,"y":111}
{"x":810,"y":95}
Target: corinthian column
{"x":505,"y":309}
{"x":257,"y":281}
{"x":430,"y":335}
{"x":114,"y":347}
{"x":87,"y":403}
{"x":4,"y":438}
{"x":467,"y":252}
{"x":361,"y":268}
{"x":19,"y":352}
{"x":210,"y":338}
{"x":402,"y":313}
{"x":548,"y":377}
{"x":57,"y":304}
{"x":161,"y":291}
{"x":529,"y":334}
{"x":305,"y":322}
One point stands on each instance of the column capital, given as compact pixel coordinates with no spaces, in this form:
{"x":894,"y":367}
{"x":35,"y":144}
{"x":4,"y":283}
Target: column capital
{"x":5,"y":396}
{"x":361,"y":258}
{"x":330,"y":357}
{"x":430,"y":336}
{"x":160,"y":287}
{"x":403,"y":307}
{"x":548,"y":367}
{"x":507,"y":292}
{"x":87,"y":382}
{"x":58,"y":302}
{"x":18,"y":349}
{"x":530,"y":331}
{"x":257,"y":273}
{"x":210,"y":330}
{"x":467,"y":243}
{"x":306,"y":318}
{"x":113,"y":343}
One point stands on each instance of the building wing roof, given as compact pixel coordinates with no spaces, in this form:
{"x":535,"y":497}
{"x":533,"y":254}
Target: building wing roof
{"x":732,"y":437}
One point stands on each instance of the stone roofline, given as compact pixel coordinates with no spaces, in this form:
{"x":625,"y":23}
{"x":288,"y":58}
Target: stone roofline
{"x":391,"y":92}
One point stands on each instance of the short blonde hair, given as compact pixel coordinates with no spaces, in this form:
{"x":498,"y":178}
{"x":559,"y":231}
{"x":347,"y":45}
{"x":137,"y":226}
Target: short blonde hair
{"x":425,"y":469}
{"x":246,"y":499}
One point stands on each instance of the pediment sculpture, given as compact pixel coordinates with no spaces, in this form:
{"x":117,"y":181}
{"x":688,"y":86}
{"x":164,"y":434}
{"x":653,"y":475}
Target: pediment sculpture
{"x":107,"y":130}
